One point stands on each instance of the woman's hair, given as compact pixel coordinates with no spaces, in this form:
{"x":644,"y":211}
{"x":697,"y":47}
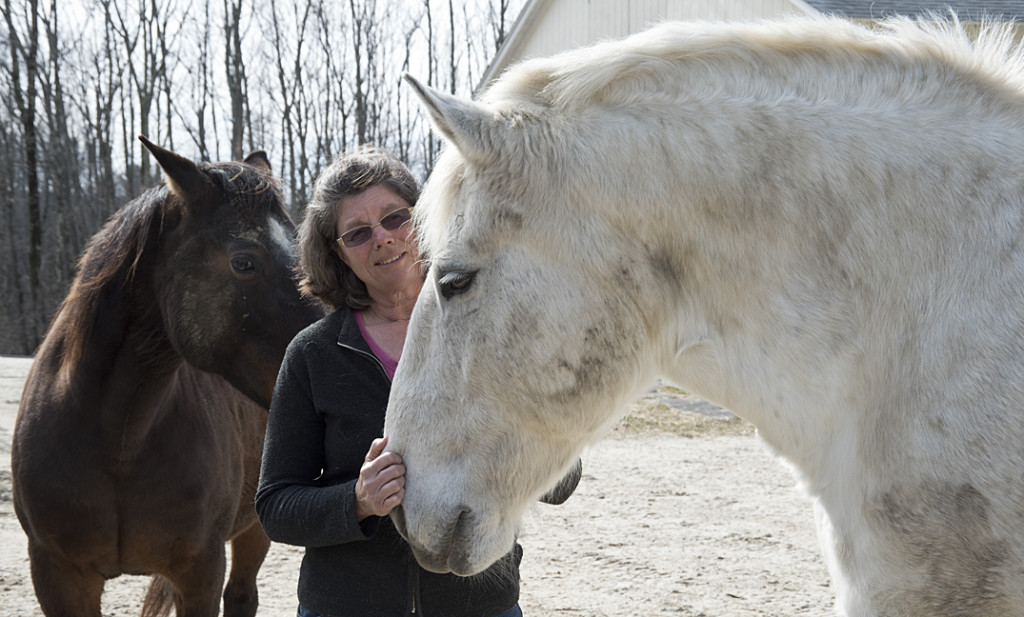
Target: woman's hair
{"x":323,"y":275}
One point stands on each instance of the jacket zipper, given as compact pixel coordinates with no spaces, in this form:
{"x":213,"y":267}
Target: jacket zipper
{"x":414,"y":588}
{"x":369,"y":355}
{"x":414,"y":578}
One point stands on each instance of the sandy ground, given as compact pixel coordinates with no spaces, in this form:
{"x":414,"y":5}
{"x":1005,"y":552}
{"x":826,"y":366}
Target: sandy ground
{"x":677,"y":514}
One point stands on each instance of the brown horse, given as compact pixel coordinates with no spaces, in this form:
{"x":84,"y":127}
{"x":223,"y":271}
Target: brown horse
{"x":138,"y":440}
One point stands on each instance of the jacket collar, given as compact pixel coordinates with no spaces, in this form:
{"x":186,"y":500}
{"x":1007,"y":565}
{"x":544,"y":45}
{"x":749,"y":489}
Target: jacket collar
{"x":350,"y":337}
{"x":348,"y":331}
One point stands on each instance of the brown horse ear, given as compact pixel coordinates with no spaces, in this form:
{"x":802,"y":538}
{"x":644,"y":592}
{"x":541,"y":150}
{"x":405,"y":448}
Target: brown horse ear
{"x":259,"y":159}
{"x":183,"y":176}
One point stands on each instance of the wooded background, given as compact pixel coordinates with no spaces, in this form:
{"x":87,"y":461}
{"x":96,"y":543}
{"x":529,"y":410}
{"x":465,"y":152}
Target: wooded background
{"x":302,"y":79}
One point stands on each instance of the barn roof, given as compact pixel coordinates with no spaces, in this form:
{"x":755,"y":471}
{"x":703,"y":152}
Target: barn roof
{"x":966,"y":10}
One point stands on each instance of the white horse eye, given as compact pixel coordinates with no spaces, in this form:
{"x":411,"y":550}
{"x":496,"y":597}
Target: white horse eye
{"x":455,"y":282}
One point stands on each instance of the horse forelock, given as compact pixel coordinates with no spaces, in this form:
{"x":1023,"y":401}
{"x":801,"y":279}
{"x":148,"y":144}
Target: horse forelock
{"x":811,"y":58}
{"x":529,"y":157}
{"x":244,"y":185}
{"x":434,"y":208}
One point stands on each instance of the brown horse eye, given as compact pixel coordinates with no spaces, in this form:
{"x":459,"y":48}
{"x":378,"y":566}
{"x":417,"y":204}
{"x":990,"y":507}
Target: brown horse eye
{"x":243,"y":264}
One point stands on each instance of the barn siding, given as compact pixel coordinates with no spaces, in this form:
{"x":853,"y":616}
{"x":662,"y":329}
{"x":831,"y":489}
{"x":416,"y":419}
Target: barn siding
{"x":549,"y":26}
{"x":564,"y":24}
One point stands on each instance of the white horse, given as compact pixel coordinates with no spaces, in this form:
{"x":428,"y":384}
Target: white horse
{"x":815,"y":224}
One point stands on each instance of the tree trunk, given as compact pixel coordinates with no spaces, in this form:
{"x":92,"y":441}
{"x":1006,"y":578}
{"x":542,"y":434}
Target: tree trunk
{"x":235,"y":67}
{"x":25,"y":103}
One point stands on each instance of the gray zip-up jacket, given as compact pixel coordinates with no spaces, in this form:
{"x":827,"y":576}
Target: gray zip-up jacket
{"x":328,"y":407}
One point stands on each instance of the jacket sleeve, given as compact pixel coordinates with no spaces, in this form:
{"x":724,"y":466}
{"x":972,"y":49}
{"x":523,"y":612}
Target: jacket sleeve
{"x":293,"y":507}
{"x":565,"y":487}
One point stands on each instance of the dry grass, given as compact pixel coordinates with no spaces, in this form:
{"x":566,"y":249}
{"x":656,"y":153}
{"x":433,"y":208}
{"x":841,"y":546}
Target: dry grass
{"x":650,"y":415}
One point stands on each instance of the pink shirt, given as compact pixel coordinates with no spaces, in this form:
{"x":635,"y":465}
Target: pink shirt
{"x":386,"y":361}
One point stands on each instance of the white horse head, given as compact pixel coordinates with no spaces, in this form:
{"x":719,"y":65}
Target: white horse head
{"x":814,"y":224}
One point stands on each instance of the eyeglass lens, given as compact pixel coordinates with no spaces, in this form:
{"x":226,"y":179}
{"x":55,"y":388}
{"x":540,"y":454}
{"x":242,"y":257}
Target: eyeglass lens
{"x":390,"y":222}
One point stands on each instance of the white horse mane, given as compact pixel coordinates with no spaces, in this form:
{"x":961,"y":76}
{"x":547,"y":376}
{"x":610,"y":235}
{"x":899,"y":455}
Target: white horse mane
{"x":808,"y":59}
{"x":680,"y":61}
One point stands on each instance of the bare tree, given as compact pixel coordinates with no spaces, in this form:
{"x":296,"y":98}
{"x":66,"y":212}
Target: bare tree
{"x":74,"y":93}
{"x":99,"y":90}
{"x":361,"y":18}
{"x":452,"y":64}
{"x":499,"y":12}
{"x":235,"y":66}
{"x":290,"y":83}
{"x":61,"y":160}
{"x":431,"y":142}
{"x":166,"y":41}
{"x":143,"y":30}
{"x":193,"y":119}
{"x":24,"y":54}
{"x":14,"y":303}
{"x":404,"y":120}
{"x":326,"y":129}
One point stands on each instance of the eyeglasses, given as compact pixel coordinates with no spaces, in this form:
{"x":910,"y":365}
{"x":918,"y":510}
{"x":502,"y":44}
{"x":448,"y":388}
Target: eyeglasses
{"x":360,"y":235}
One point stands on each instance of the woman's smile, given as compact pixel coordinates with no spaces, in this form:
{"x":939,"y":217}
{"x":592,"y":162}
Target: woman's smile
{"x":390,"y":260}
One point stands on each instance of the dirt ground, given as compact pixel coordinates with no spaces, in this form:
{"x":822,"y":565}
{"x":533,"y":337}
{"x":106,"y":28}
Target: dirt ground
{"x":680,"y":512}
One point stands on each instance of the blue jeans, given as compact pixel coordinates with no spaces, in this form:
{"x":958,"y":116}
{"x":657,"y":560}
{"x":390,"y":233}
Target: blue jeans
{"x":515,"y":611}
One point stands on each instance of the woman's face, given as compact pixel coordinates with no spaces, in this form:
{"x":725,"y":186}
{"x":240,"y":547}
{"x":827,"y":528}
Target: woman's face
{"x":386,"y":262}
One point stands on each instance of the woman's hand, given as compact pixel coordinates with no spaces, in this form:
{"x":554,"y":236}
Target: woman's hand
{"x":381,"y":483}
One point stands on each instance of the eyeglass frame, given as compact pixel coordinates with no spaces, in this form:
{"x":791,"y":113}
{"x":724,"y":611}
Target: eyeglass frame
{"x":340,"y":240}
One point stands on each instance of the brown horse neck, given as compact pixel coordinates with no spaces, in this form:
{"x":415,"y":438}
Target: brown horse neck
{"x":121,"y":380}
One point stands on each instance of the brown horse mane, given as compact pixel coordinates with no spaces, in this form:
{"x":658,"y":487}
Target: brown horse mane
{"x":114,"y":254}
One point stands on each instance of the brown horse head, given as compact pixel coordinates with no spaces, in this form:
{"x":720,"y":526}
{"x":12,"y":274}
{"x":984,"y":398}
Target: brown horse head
{"x":227,"y":242}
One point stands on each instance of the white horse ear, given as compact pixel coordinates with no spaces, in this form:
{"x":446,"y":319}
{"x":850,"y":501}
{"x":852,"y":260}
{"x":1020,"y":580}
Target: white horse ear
{"x":468,"y":125}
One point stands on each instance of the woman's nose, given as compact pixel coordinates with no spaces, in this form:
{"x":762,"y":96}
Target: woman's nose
{"x":381,"y":236}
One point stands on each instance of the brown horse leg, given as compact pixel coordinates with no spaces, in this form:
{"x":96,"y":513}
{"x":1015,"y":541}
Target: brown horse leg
{"x":62,"y":588}
{"x":248,"y":549}
{"x":198,"y":582}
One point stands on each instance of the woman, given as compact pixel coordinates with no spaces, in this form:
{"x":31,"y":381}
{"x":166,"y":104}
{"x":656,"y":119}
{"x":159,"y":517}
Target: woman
{"x":325,"y":483}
